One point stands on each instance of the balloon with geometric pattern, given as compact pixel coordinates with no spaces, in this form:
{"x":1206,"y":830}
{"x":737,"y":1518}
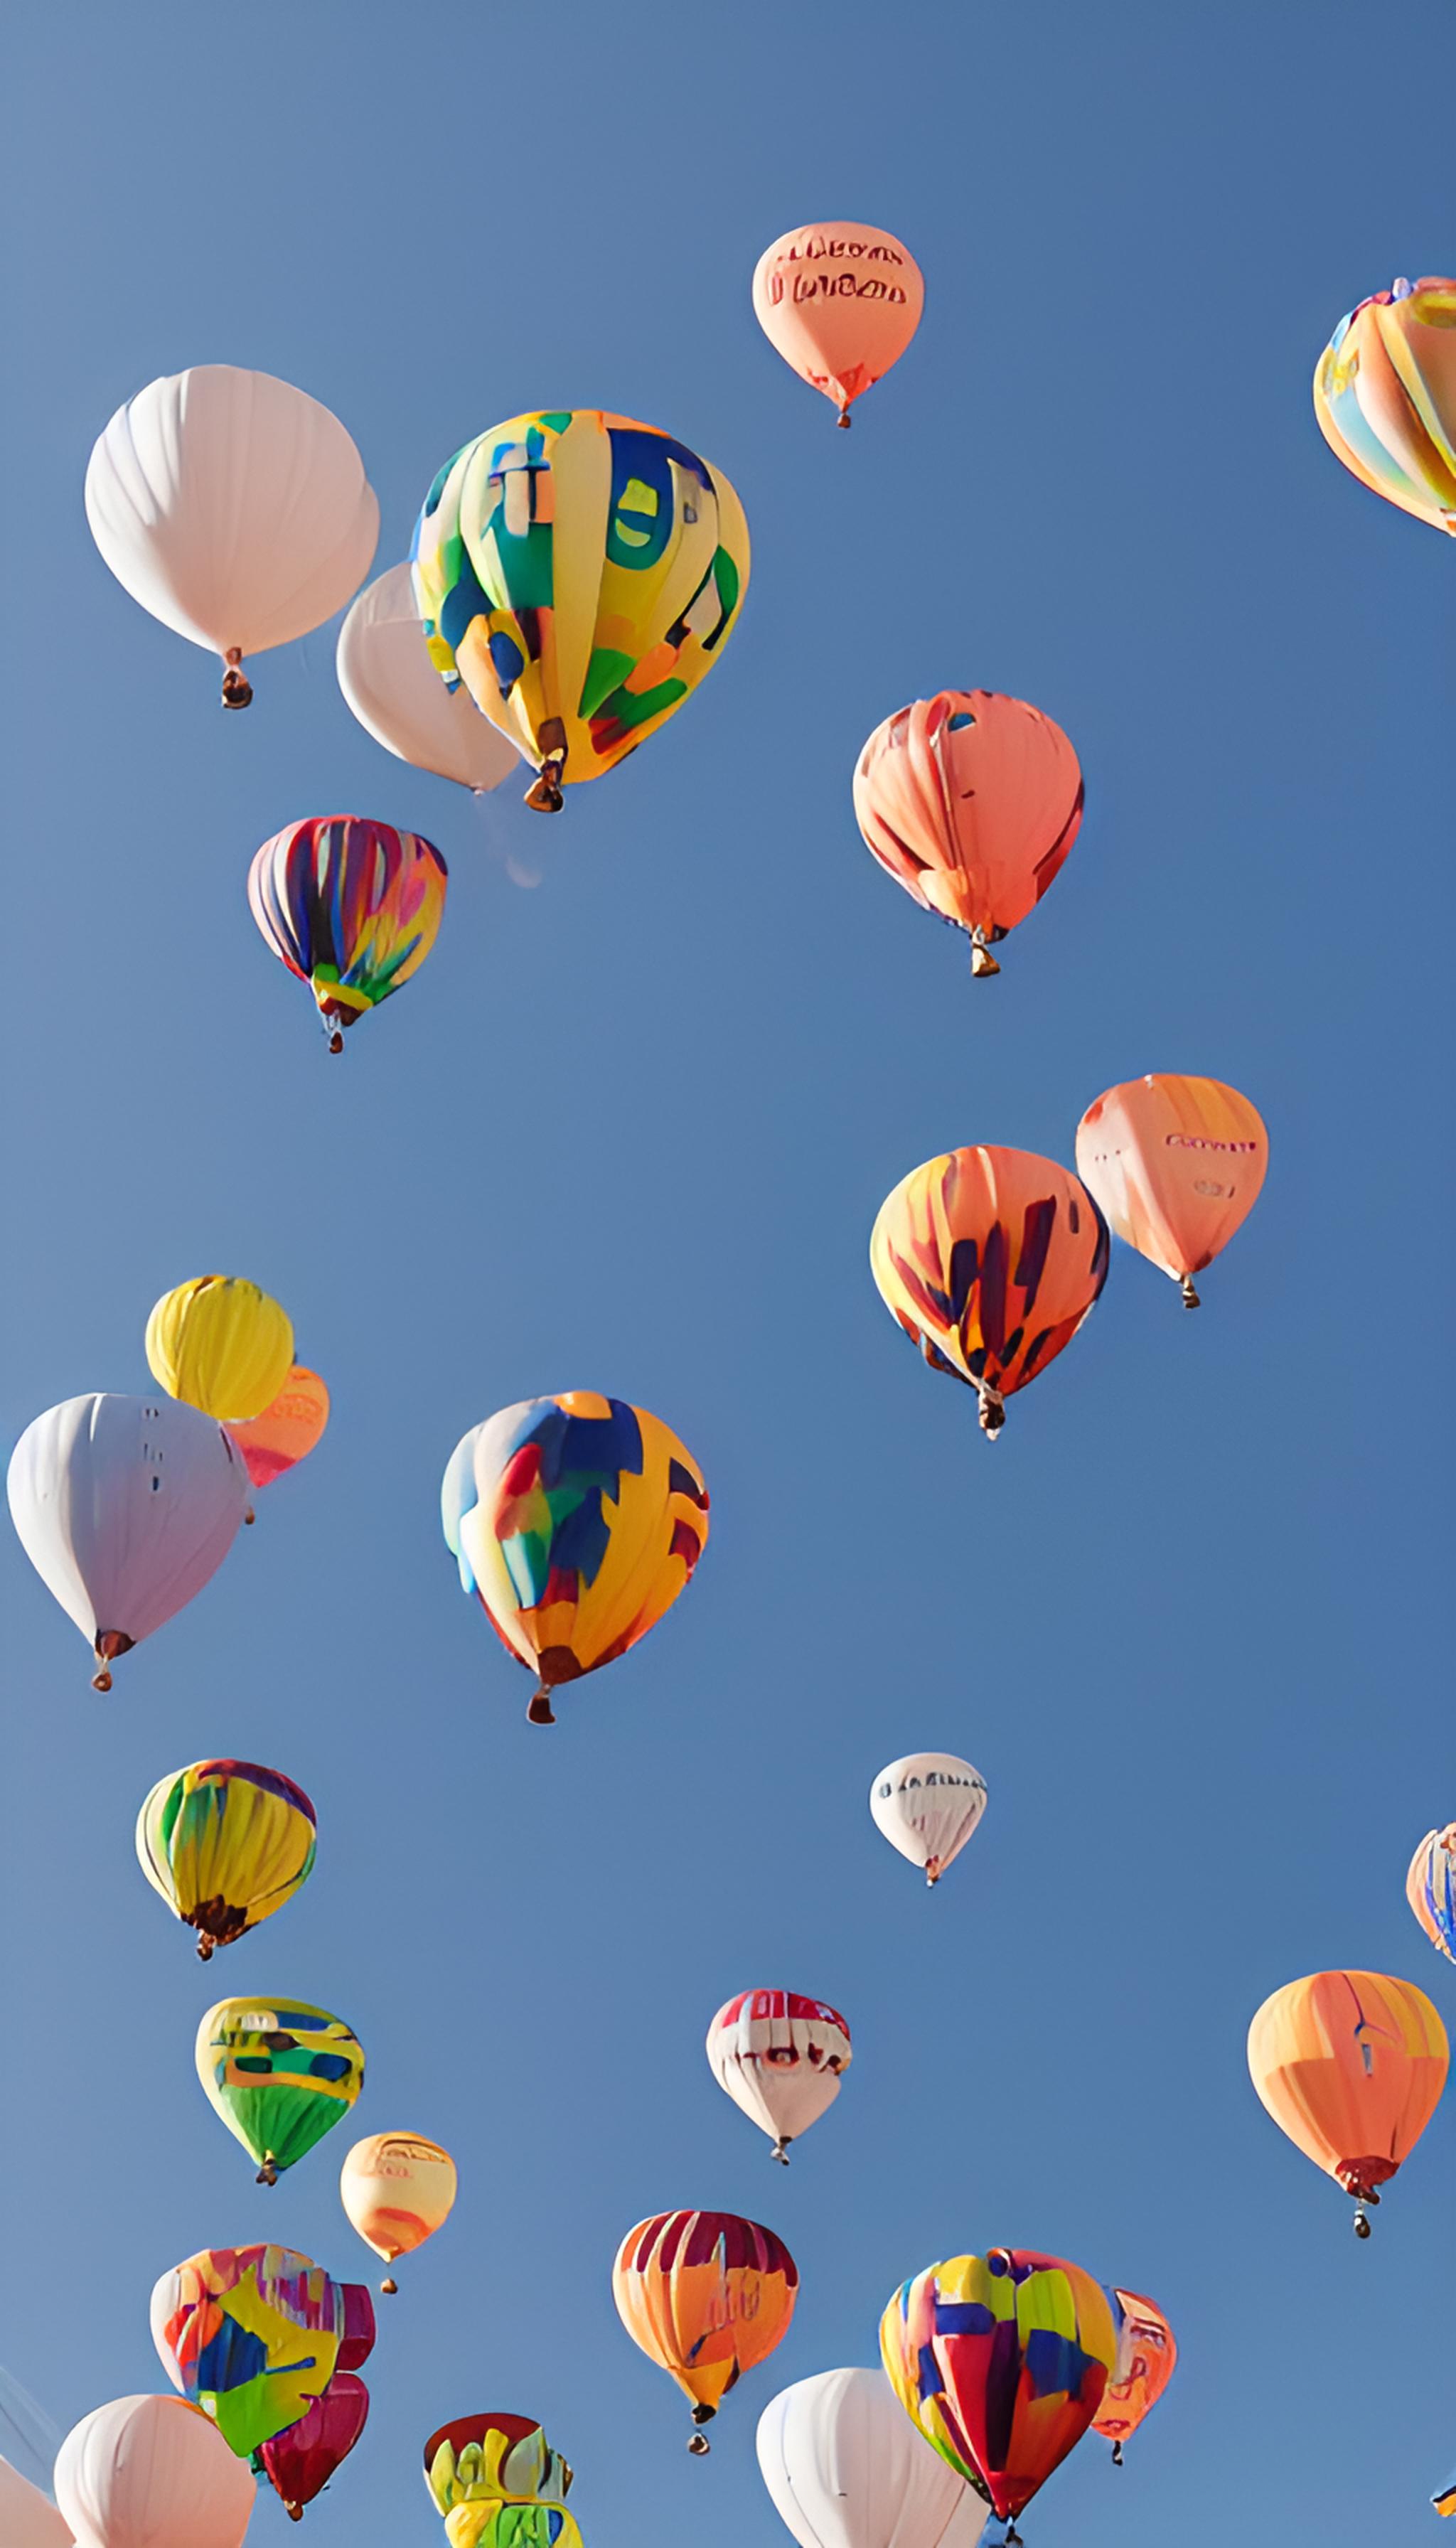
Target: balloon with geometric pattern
{"x":1384,"y":396}
{"x":280,"y":2073}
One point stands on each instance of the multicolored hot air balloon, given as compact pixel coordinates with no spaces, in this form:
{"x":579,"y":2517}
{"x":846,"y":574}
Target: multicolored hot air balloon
{"x":705,"y":2295}
{"x":840,"y":300}
{"x":581,"y":574}
{"x":1002,"y":2361}
{"x":1444,"y":2499}
{"x":398,"y":2188}
{"x":287,"y":1430}
{"x":1430,"y":1888}
{"x":227,"y":2323}
{"x":1147,"y":2357}
{"x":499,"y":2484}
{"x":928,"y":1805}
{"x":1384,"y":396}
{"x":352,"y":907}
{"x":576,"y":1521}
{"x":1351,"y":2067}
{"x":149,"y":2473}
{"x":225,"y":1844}
{"x":780,"y":2059}
{"x":300,"y":2461}
{"x":1175,"y":1166}
{"x":989,"y":1261}
{"x":845,"y":2469}
{"x":125,"y":1506}
{"x":280,"y":2073}
{"x":221,"y":1345}
{"x":970,"y":800}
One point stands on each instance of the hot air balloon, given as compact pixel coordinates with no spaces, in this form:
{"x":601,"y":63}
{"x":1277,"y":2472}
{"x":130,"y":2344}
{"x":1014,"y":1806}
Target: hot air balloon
{"x":287,"y":1430}
{"x":225,"y":1843}
{"x":228,"y":2324}
{"x":706,"y":2295}
{"x":990,"y":1260}
{"x":125,"y":1506}
{"x":300,"y":2461}
{"x":1384,"y":396}
{"x":499,"y":2484}
{"x":28,"y":2518}
{"x":235,"y":509}
{"x":1351,"y":2067}
{"x":840,"y":300}
{"x":1175,"y":1165}
{"x":151,"y":2473}
{"x":1001,"y":2360}
{"x":576,"y":1522}
{"x":971,"y":801}
{"x":386,"y":675}
{"x":845,"y":2469}
{"x":396,"y":2188}
{"x":221,"y":1345}
{"x":352,"y":907}
{"x":1430,"y":1888}
{"x":280,"y":2073}
{"x":780,"y":2059}
{"x":581,"y":574}
{"x":1146,"y":2359}
{"x":926,"y":1807}
{"x":1444,"y":2499}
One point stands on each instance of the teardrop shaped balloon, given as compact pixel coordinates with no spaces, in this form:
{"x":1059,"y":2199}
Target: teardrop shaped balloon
{"x":386,"y":675}
{"x":351,"y":907}
{"x":300,"y":2461}
{"x":971,"y":801}
{"x":1430,"y":1888}
{"x":149,"y":2473}
{"x":581,"y":574}
{"x":840,"y":300}
{"x":706,"y":2295}
{"x":235,"y":509}
{"x":290,"y":1428}
{"x":1384,"y":396}
{"x":1147,"y":2357}
{"x":1351,"y":2067}
{"x":990,"y":1260}
{"x":125,"y":1506}
{"x":498,"y":2484}
{"x":576,"y":1521}
{"x":928,"y":1805}
{"x":1175,"y":1166}
{"x":227,"y":2324}
{"x":780,"y":2059}
{"x":219,"y":1344}
{"x":1002,"y":2362}
{"x":225,"y":1844}
{"x":845,"y":2469}
{"x":280,"y":2073}
{"x":398,"y":2189}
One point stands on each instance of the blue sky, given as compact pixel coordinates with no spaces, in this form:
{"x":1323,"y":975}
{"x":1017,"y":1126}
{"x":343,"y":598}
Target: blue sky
{"x":629,"y":1130}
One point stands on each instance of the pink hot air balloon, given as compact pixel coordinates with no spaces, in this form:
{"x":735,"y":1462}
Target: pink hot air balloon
{"x":301,"y":2460}
{"x":152,"y":2473}
{"x":840,"y":300}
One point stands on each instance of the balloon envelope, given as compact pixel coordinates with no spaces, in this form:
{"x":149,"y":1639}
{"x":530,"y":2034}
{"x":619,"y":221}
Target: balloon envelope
{"x":351,"y":907}
{"x":227,"y":2324}
{"x":280,"y":2073}
{"x":1174,"y":1165}
{"x":300,"y":2461}
{"x":847,"y":2469}
{"x":1384,"y":396}
{"x":1430,"y":1888}
{"x":151,"y":2473}
{"x":387,"y":676}
{"x":928,"y":1805}
{"x":1146,"y":2359}
{"x":288,"y":1429}
{"x":219,"y":1344}
{"x":225,"y":1843}
{"x":1351,"y":2067}
{"x":780,"y":2059}
{"x":840,"y":300}
{"x":705,"y":2295}
{"x":28,"y":2518}
{"x":481,"y":2469}
{"x":398,"y":2188}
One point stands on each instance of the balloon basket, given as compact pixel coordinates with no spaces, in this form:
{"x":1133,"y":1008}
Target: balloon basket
{"x":237,"y":690}
{"x":541,"y":1710}
{"x":1191,"y":1300}
{"x":699,"y":2446}
{"x":982,"y":962}
{"x":267,"y":2173}
{"x":101,"y":1680}
{"x":780,"y":2153}
{"x":844,"y":419}
{"x":389,"y":2286}
{"x":993,"y":1411}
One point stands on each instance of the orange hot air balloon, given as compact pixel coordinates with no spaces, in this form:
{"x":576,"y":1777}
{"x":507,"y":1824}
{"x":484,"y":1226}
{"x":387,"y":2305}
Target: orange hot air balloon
{"x":1351,"y":2067}
{"x":706,"y":2295}
{"x":1147,"y":2357}
{"x":840,"y":300}
{"x":990,"y":1260}
{"x":1176,"y":1165}
{"x":971,"y":801}
{"x":286,"y":1432}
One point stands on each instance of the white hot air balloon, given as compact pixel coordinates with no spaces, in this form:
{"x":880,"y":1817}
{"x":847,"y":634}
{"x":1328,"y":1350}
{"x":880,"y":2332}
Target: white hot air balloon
{"x":847,"y":2469}
{"x":926,"y":1807}
{"x":235,"y":509}
{"x":780,"y":2059}
{"x":386,"y":675}
{"x":27,"y":2520}
{"x":125,"y":1507}
{"x":152,"y":2473}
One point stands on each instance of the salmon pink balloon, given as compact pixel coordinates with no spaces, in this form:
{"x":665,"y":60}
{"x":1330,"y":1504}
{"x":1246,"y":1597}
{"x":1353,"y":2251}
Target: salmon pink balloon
{"x":1175,"y":1165}
{"x":286,"y":1432}
{"x":840,"y":300}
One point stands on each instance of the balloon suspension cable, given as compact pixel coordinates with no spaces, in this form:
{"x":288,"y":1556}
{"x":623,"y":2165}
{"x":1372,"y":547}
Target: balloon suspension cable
{"x":781,"y":2148}
{"x":268,"y":2173}
{"x":541,"y":1710}
{"x":983,"y":962}
{"x":993,"y":1409}
{"x":389,"y":2286}
{"x":1191,"y":1300}
{"x":237,"y":690}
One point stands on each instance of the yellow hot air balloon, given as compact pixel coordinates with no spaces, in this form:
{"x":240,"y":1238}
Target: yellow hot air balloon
{"x":227,"y":1842}
{"x":221,"y":1344}
{"x":396,"y":2189}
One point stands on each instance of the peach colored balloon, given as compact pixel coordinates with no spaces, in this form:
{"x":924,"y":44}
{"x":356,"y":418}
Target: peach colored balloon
{"x":1176,"y":1165}
{"x":840,"y":300}
{"x":396,"y":2189}
{"x":1351,"y":2067}
{"x":286,"y":1432}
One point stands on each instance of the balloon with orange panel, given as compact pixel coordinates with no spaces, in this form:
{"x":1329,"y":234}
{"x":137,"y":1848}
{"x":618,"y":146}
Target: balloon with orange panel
{"x":990,"y":1260}
{"x":970,"y":800}
{"x":1351,"y":2067}
{"x":286,"y":1432}
{"x":1384,"y":396}
{"x":1146,"y":2359}
{"x":396,"y":2188}
{"x":1176,"y":1166}
{"x":706,"y":2296}
{"x":840,"y":300}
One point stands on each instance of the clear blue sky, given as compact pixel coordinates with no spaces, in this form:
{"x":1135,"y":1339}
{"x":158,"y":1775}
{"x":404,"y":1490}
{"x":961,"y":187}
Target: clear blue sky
{"x":629,"y":1130}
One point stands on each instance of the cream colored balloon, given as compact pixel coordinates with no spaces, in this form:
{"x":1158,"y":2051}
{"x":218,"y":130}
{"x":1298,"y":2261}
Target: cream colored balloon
{"x":926,"y":1807}
{"x":152,"y":2473}
{"x":396,"y":2189}
{"x":386,"y":675}
{"x":28,"y":2518}
{"x":780,"y":2059}
{"x":848,"y":2469}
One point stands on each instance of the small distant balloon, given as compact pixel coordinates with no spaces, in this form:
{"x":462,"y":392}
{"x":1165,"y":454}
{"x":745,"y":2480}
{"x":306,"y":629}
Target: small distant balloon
{"x":781,"y":2060}
{"x":288,"y":1429}
{"x":1384,"y":396}
{"x":398,"y":2189}
{"x":1175,"y":1166}
{"x":1430,"y":1888}
{"x":221,"y":1345}
{"x":351,"y":907}
{"x":928,"y":1805}
{"x":840,"y":300}
{"x":280,"y":2073}
{"x":225,"y":1844}
{"x":1147,"y":2357}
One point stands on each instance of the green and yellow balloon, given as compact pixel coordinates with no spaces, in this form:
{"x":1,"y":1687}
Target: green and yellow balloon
{"x":281,"y":2075}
